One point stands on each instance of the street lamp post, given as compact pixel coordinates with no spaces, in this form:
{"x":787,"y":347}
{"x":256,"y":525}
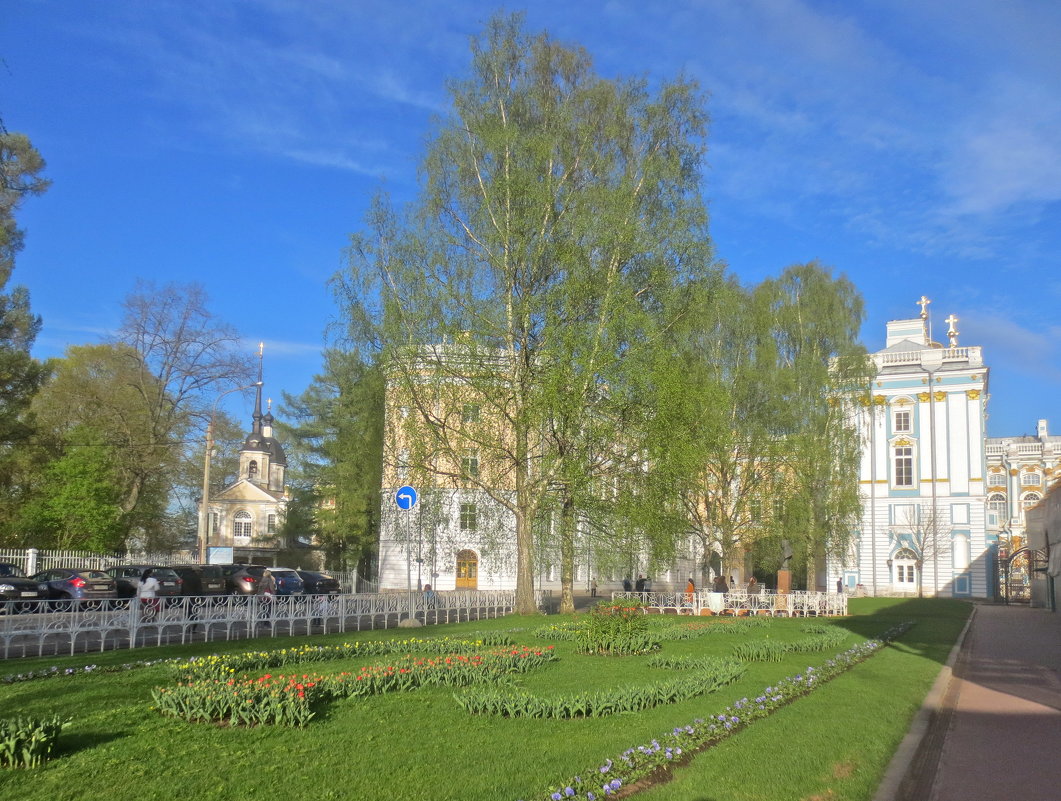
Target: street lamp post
{"x":204,"y":511}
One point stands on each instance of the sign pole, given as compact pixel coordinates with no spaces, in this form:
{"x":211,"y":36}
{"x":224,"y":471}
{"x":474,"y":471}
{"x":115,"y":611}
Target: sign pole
{"x":405,"y":499}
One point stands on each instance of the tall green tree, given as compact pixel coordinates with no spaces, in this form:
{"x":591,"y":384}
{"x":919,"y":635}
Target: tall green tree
{"x":823,"y":368}
{"x":335,"y":435}
{"x":20,"y":374}
{"x":557,"y":209}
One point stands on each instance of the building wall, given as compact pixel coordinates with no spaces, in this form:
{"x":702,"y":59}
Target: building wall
{"x":923,"y":472}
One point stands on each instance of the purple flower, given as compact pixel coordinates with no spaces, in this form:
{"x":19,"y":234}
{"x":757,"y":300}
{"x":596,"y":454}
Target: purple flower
{"x":615,"y":784}
{"x":569,"y":791}
{"x":556,"y":796}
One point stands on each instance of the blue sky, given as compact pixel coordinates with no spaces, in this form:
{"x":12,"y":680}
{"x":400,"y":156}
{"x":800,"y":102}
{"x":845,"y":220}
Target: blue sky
{"x":913,"y":146}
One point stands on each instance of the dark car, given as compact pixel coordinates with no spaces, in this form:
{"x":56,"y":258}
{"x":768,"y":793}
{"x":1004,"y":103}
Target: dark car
{"x":201,"y":579}
{"x":127,"y":578}
{"x":243,"y":579}
{"x":78,"y":584}
{"x":16,"y":586}
{"x":286,"y":581}
{"x":319,"y":583}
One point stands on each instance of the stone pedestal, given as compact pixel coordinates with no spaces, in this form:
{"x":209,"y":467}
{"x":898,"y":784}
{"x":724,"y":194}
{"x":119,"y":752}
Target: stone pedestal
{"x":784,"y":581}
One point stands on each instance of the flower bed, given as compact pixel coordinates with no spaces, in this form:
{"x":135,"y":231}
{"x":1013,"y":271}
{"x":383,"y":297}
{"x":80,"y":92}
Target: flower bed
{"x":641,"y":762}
{"x":288,"y":700}
{"x":512,"y":702}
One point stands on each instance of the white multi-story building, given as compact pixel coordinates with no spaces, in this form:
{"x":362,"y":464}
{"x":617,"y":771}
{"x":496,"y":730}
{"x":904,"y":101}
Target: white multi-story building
{"x":923,"y":527}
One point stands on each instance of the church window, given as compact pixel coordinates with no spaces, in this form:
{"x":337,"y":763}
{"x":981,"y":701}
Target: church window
{"x":241,"y":525}
{"x":904,"y":466}
{"x":469,"y":517}
{"x":252,"y":470}
{"x":270,"y":524}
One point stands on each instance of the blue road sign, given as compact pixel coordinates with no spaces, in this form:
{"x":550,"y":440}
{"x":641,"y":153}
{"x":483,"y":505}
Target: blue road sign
{"x":405,"y":497}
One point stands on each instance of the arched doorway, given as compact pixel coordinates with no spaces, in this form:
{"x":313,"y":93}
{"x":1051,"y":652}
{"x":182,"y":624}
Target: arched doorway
{"x":904,"y":570}
{"x":467,"y":570}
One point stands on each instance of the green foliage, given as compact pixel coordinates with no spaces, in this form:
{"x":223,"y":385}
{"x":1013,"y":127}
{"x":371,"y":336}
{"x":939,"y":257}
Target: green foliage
{"x":513,"y":702}
{"x":558,"y":209}
{"x":334,"y":436}
{"x":617,"y":628}
{"x":776,"y":650}
{"x":27,"y":742}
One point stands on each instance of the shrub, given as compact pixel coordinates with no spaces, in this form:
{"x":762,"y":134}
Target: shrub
{"x":27,"y":742}
{"x":617,"y":628}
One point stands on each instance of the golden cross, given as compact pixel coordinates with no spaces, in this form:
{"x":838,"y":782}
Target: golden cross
{"x":923,"y":303}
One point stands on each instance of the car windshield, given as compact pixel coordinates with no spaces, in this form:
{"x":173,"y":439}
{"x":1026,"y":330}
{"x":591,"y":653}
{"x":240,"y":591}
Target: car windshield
{"x":94,"y":575}
{"x":164,"y":573}
{"x":287,"y":574}
{"x":210,"y":571}
{"x":11,"y":571}
{"x":255,"y":570}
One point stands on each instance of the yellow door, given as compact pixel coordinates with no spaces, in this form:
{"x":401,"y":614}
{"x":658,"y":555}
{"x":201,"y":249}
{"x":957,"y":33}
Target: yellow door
{"x":467,"y":570}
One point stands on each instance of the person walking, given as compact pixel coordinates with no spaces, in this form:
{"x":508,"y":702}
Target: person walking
{"x":627,"y":586}
{"x":593,"y":588}
{"x":690,"y":591}
{"x":840,"y":586}
{"x":147,"y":590}
{"x":639,"y":585}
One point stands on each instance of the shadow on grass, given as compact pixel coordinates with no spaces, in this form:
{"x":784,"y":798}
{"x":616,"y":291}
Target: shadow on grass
{"x":70,"y":743}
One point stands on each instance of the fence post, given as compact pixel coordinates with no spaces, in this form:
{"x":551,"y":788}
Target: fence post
{"x":31,"y":561}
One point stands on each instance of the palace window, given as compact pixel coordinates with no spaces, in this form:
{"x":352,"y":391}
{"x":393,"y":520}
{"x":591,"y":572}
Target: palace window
{"x":469,"y":517}
{"x":1030,"y":479}
{"x":902,"y":421}
{"x":470,"y":463}
{"x":1030,"y":500}
{"x":996,"y":479}
{"x":904,"y":466}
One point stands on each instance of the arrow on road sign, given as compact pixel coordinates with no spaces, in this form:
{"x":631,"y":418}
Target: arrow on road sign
{"x":405,"y":497}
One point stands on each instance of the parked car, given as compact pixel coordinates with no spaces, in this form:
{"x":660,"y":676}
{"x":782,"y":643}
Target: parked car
{"x":201,"y":579}
{"x":287,"y":581}
{"x":127,"y":578}
{"x":16,"y":586}
{"x":241,"y":579}
{"x":319,"y":583}
{"x":78,"y":584}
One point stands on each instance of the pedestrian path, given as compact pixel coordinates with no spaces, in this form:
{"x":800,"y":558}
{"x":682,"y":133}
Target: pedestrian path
{"x":994,"y":726}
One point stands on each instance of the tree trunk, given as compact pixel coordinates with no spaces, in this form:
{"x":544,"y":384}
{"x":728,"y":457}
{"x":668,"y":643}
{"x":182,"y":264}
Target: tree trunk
{"x":567,"y":554}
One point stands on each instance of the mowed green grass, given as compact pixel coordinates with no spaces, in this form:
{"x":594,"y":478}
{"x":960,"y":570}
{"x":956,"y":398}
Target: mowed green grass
{"x":834,"y":743}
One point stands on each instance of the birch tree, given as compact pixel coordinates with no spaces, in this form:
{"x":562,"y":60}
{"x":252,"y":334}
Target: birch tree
{"x":557,"y":209}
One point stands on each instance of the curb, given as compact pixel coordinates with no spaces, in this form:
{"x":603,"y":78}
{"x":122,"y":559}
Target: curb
{"x":897,"y":776}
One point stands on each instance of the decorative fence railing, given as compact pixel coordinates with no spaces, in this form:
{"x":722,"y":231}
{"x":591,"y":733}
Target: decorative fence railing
{"x":46,"y":628}
{"x":784,"y":604}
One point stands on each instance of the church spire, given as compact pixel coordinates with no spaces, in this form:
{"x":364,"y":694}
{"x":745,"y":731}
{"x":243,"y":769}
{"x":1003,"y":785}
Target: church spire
{"x":257,"y":417}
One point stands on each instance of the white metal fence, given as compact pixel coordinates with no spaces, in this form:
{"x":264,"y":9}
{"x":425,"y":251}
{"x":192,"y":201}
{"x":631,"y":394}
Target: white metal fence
{"x":46,"y":628}
{"x":787,"y":604}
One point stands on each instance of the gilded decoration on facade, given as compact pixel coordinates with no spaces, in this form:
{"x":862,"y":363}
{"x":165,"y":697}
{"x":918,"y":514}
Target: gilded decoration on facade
{"x":923,"y":397}
{"x":902,"y":442}
{"x":972,"y":394}
{"x":941,"y":396}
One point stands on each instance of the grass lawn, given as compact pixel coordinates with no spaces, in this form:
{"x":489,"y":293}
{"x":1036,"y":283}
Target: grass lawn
{"x":833,"y":744}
